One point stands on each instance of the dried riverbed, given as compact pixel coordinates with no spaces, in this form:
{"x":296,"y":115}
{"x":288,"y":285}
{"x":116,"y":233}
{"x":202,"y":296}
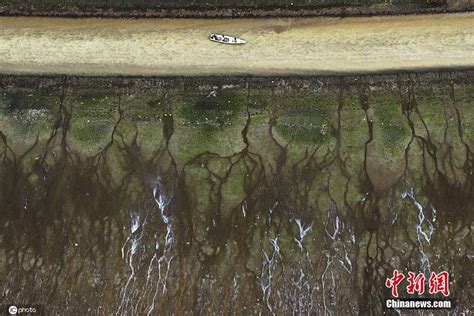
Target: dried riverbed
{"x":275,"y":46}
{"x":238,"y":196}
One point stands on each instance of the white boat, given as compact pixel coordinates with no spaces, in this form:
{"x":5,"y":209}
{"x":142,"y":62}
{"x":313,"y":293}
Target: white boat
{"x":226,"y":39}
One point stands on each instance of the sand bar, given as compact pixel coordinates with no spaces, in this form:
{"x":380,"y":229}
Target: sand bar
{"x":274,"y":46}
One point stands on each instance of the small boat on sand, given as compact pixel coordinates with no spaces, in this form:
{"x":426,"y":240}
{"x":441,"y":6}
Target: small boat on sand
{"x":226,"y":39}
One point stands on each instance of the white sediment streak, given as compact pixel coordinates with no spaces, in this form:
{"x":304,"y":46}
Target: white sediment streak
{"x":423,"y":220}
{"x":274,"y":46}
{"x":302,"y":232}
{"x":267,"y":273}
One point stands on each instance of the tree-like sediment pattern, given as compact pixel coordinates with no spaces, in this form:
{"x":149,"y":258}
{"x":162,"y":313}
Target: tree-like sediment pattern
{"x":216,"y":195}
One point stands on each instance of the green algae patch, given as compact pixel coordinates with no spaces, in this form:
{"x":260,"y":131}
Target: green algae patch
{"x":259,"y":101}
{"x":391,"y":132}
{"x":464,"y":98}
{"x":307,"y":119}
{"x":23,"y":128}
{"x":93,"y":116}
{"x":27,"y":114}
{"x":91,"y":133}
{"x":19,"y":99}
{"x":444,"y":113}
{"x":211,"y":124}
{"x":142,"y":108}
{"x":433,"y":104}
{"x":354,"y":130}
{"x":99,"y":106}
{"x":190,"y":142}
{"x":29,"y":123}
{"x":210,"y":113}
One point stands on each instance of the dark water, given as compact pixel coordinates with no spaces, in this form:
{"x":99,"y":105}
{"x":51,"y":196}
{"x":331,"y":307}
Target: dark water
{"x":234,"y":195}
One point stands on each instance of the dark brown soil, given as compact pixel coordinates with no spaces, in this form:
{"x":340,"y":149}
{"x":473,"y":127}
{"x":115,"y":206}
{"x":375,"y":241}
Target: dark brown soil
{"x":227,"y":9}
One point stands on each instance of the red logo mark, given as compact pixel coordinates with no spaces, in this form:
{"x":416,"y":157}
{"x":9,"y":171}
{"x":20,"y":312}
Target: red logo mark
{"x":416,"y":283}
{"x":439,"y":283}
{"x":394,"y":281}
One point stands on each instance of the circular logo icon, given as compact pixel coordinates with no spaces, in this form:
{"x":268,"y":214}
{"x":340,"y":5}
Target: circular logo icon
{"x":13,"y":310}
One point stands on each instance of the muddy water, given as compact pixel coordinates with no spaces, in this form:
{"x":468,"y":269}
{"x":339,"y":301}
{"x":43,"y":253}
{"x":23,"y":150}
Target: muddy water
{"x":234,"y":195}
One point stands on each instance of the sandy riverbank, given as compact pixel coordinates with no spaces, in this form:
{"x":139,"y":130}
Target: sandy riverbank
{"x":275,"y":46}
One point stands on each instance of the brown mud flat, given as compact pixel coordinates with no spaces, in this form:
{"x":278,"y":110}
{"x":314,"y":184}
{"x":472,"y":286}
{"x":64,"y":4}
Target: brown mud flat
{"x":224,"y":195}
{"x":227,"y":9}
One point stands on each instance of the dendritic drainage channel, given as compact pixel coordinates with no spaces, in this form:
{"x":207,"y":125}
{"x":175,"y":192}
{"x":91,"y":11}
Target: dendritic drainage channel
{"x":147,"y":196}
